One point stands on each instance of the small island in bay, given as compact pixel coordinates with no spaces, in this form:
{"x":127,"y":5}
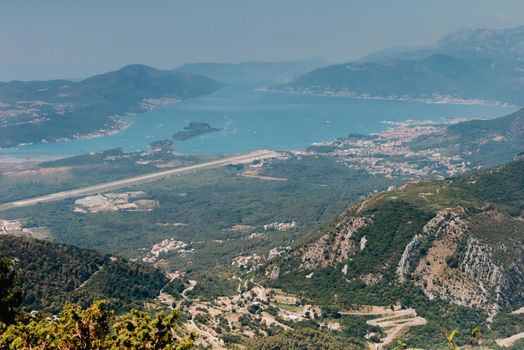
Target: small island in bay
{"x":194,"y":129}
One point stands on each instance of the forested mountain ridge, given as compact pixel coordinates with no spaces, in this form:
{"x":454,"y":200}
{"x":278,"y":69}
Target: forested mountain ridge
{"x":51,"y":274}
{"x":35,"y":111}
{"x":253,"y":72}
{"x":436,"y":78}
{"x":453,"y":249}
{"x":467,"y":66}
{"x":481,"y":142}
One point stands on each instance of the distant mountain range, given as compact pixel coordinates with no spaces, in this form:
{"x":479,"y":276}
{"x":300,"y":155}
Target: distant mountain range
{"x":36,"y":111}
{"x":470,"y":66}
{"x":254,"y":72}
{"x":438,"y":78}
{"x":498,"y":44}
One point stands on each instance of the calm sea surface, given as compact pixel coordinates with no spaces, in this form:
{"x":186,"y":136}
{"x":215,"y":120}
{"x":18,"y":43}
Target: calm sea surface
{"x":254,"y":120}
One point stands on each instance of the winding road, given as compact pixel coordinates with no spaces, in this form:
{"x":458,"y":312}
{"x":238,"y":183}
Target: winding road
{"x":394,"y":323}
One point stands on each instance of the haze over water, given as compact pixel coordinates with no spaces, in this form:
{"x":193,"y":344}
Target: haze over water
{"x":254,"y":120}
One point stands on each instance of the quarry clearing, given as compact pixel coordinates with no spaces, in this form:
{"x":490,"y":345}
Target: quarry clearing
{"x":126,"y":201}
{"x":18,"y":228}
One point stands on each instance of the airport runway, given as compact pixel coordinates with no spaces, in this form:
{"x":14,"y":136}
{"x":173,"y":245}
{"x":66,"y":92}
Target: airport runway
{"x":112,"y":185}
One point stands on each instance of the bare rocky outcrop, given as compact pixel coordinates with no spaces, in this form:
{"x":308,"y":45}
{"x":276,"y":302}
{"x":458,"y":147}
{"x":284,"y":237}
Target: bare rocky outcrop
{"x":446,"y":221}
{"x":477,"y":262}
{"x":274,"y":273}
{"x":371,"y":279}
{"x":510,"y":292}
{"x":474,"y":279}
{"x":334,"y":247}
{"x":459,"y":267}
{"x":404,"y":263}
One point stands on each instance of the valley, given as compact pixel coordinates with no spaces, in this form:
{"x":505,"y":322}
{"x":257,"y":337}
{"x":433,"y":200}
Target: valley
{"x":220,"y":201}
{"x":246,"y":158}
{"x":218,"y":258}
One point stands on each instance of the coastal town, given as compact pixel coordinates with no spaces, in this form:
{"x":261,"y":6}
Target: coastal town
{"x":27,"y":111}
{"x":391,"y":153}
{"x":435,"y":98}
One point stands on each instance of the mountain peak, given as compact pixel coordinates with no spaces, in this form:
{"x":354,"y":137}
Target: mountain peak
{"x":131,"y":70}
{"x":505,"y":43}
{"x":136,"y":68}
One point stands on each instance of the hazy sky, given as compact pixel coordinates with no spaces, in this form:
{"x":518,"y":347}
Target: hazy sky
{"x":72,"y":38}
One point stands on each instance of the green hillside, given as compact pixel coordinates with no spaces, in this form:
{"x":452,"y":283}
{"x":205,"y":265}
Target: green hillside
{"x":481,"y":142}
{"x":51,"y":110}
{"x":52,"y":274}
{"x":452,"y":249}
{"x":433,"y":78}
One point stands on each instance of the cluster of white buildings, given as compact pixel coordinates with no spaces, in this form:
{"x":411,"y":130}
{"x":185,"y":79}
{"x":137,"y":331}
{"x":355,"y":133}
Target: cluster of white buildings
{"x":389,"y":154}
{"x":166,"y":246}
{"x":280,"y":226}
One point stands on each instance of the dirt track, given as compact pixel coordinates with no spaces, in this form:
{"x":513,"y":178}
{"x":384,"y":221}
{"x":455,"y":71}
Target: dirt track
{"x":508,"y":342}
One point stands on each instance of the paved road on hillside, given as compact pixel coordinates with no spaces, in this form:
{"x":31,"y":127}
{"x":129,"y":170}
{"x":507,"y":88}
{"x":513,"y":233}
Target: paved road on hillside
{"x":112,"y":185}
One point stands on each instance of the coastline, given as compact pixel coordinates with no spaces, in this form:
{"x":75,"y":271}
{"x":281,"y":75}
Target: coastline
{"x":329,"y":129}
{"x":13,"y":158}
{"x":437,"y":99}
{"x":35,"y":158}
{"x":120,"y":123}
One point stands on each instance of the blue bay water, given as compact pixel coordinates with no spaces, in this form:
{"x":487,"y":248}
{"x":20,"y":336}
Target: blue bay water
{"x":254,"y":120}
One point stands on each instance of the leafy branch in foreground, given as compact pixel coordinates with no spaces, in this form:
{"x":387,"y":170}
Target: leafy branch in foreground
{"x":450,"y":338}
{"x":400,"y":345}
{"x":97,"y":327}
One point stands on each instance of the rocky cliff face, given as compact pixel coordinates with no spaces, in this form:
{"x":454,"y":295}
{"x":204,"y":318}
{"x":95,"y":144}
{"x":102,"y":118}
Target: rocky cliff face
{"x":443,"y":258}
{"x":459,"y":240}
{"x":510,"y":291}
{"x":337,"y":246}
{"x":473,"y":283}
{"x":446,"y":223}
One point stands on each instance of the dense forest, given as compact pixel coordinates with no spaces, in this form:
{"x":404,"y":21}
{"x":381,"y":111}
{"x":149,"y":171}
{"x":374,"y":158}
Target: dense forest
{"x":96,"y":326}
{"x":50,"y":274}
